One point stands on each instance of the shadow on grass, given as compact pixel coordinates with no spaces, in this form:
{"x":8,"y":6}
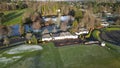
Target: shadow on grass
{"x":50,"y":57}
{"x":58,"y":60}
{"x":12,"y":15}
{"x":111,"y":37}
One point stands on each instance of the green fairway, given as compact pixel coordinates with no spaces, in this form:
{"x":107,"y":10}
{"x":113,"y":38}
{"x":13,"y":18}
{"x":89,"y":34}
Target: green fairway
{"x":50,"y":57}
{"x":13,"y":17}
{"x":111,"y":28}
{"x":76,"y":56}
{"x":89,"y":57}
{"x":80,"y":56}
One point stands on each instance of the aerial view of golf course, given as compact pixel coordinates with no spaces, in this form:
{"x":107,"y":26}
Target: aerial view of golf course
{"x":59,"y":33}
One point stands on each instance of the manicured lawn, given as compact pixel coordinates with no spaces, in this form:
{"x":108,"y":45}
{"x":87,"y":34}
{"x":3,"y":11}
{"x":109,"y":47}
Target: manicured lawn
{"x":79,"y":56}
{"x":74,"y":56}
{"x":88,"y":57}
{"x":50,"y":57}
{"x":111,"y":29}
{"x":13,"y":17}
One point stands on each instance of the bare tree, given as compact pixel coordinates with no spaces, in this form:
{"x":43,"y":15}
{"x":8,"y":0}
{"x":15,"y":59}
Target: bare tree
{"x":118,"y":22}
{"x":63,"y":26}
{"x":36,"y":24}
{"x":5,"y":31}
{"x":6,"y":41}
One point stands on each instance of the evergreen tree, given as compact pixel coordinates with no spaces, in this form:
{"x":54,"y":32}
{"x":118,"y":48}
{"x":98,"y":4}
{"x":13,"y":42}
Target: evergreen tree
{"x":74,"y":27}
{"x":34,"y":40}
{"x":78,"y":15}
{"x":75,"y":24}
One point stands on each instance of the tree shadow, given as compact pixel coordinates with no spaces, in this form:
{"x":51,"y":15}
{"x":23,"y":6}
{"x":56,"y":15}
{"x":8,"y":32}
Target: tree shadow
{"x":114,"y":38}
{"x":12,"y":15}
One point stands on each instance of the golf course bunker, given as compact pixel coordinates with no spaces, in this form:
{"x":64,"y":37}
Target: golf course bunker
{"x":67,"y":42}
{"x":111,"y":36}
{"x":10,"y":56}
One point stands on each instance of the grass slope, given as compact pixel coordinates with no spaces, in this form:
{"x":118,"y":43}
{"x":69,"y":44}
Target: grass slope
{"x":13,"y":17}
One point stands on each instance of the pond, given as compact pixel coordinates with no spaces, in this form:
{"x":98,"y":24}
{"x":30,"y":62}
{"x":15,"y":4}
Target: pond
{"x":62,"y":18}
{"x":28,"y":28}
{"x":15,"y":30}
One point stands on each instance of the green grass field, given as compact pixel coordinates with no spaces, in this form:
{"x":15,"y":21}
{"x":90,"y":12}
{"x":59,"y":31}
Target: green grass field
{"x":79,"y":56}
{"x":13,"y":17}
{"x":74,"y":56}
{"x":111,"y":28}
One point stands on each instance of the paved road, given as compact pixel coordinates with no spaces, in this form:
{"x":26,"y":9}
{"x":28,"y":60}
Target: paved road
{"x":13,"y":42}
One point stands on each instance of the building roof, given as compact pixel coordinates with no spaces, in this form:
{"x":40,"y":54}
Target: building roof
{"x":45,"y":31}
{"x":65,"y":34}
{"x":46,"y":36}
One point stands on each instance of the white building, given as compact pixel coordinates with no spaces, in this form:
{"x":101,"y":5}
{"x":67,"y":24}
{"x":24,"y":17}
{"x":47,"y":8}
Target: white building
{"x":82,"y":31}
{"x":63,"y":35}
{"x":46,"y":37}
{"x":105,"y":24}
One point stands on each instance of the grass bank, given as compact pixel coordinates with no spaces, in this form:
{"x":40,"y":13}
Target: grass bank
{"x":111,"y":28}
{"x":75,"y":56}
{"x":13,"y":17}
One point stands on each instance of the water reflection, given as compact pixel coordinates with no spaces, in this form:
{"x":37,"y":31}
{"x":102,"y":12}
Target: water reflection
{"x":28,"y":27}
